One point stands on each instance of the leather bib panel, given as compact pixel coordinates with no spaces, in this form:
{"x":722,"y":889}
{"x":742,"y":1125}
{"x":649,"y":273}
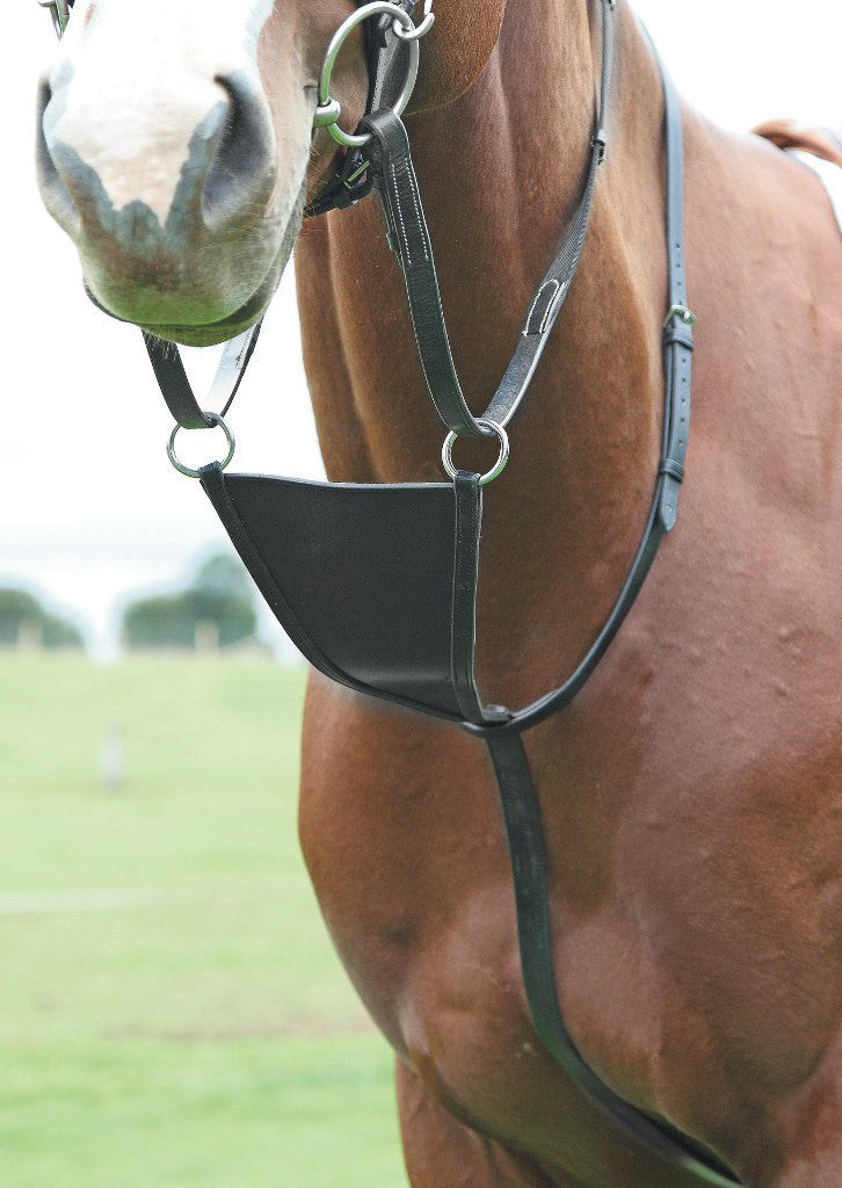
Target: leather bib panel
{"x":361,"y":577}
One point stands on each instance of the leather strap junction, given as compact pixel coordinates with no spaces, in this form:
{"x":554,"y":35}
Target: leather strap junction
{"x":387,"y":64}
{"x":177,"y":390}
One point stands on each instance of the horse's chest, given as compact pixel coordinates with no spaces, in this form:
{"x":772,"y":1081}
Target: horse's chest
{"x":680,"y":876}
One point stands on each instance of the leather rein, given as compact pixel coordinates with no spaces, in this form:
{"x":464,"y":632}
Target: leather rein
{"x":418,"y":649}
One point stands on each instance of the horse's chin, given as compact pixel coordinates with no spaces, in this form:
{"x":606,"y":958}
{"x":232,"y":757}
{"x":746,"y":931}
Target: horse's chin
{"x":203,"y":334}
{"x":194,"y":330}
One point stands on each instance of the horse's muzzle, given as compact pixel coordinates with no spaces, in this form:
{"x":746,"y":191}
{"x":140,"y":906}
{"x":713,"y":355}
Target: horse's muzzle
{"x":171,"y":207}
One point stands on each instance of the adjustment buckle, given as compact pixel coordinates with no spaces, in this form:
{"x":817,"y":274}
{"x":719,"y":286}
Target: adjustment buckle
{"x":599,"y":142}
{"x":680,"y":311}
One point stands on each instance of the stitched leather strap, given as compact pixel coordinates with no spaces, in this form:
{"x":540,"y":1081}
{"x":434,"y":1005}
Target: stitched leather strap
{"x":552,"y":292}
{"x":678,"y":327}
{"x":394,"y":177}
{"x":409,"y":238}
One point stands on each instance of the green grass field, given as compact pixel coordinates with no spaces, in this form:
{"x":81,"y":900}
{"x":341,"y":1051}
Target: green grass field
{"x":171,"y":1012}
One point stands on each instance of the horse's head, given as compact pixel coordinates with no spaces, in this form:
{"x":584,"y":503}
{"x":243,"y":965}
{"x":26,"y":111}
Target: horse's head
{"x":176,"y":144}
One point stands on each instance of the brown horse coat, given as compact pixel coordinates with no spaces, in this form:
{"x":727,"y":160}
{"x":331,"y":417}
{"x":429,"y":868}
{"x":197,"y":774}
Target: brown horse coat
{"x":691,"y":794}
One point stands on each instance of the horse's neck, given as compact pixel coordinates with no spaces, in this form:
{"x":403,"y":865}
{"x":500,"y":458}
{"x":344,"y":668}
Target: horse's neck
{"x":498,"y":171}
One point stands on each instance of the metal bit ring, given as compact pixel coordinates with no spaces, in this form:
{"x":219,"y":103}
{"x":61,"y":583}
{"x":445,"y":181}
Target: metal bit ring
{"x":420,"y":30}
{"x":328,"y":109}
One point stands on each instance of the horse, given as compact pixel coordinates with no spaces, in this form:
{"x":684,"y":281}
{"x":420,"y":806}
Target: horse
{"x":690,"y":794}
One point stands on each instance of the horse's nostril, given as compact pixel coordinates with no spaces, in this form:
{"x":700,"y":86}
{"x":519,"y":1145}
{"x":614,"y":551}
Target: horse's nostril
{"x":243,"y":163}
{"x":54,"y":192}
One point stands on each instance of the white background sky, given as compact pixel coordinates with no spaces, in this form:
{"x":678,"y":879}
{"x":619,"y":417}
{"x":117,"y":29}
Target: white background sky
{"x":90,"y":509}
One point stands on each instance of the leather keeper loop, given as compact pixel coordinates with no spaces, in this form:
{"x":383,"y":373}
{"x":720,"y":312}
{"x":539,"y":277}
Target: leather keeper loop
{"x":679,"y":332}
{"x":673,"y":469}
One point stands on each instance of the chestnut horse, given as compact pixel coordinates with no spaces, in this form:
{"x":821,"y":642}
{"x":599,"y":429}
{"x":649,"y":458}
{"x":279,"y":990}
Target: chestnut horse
{"x":691,"y":794}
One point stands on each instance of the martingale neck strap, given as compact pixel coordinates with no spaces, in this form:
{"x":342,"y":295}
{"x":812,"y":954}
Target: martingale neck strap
{"x":678,"y":357}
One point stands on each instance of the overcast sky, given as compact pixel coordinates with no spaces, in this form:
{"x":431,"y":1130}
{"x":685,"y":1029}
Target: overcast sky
{"x":89,"y":506}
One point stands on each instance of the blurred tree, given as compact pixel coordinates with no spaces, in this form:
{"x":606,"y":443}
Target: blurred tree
{"x":224,"y":574}
{"x":218,"y":606}
{"x":25,"y":623}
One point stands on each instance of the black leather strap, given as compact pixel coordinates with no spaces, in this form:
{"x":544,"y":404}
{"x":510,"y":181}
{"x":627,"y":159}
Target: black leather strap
{"x":463,"y":632}
{"x":560,"y":697}
{"x":406,"y":227}
{"x":351,"y":181}
{"x":388,"y":56}
{"x":552,"y":292}
{"x":678,"y":354}
{"x":176,"y":387}
{"x":678,"y":326}
{"x":527,"y":851}
{"x":395,"y":180}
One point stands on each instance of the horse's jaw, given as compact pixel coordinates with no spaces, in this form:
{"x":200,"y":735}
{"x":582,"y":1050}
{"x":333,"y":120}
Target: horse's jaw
{"x":179,"y":181}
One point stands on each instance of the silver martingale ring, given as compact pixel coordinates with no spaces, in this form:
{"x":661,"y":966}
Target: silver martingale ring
{"x":328,"y":110}
{"x":214,"y":420}
{"x":499,"y":466}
